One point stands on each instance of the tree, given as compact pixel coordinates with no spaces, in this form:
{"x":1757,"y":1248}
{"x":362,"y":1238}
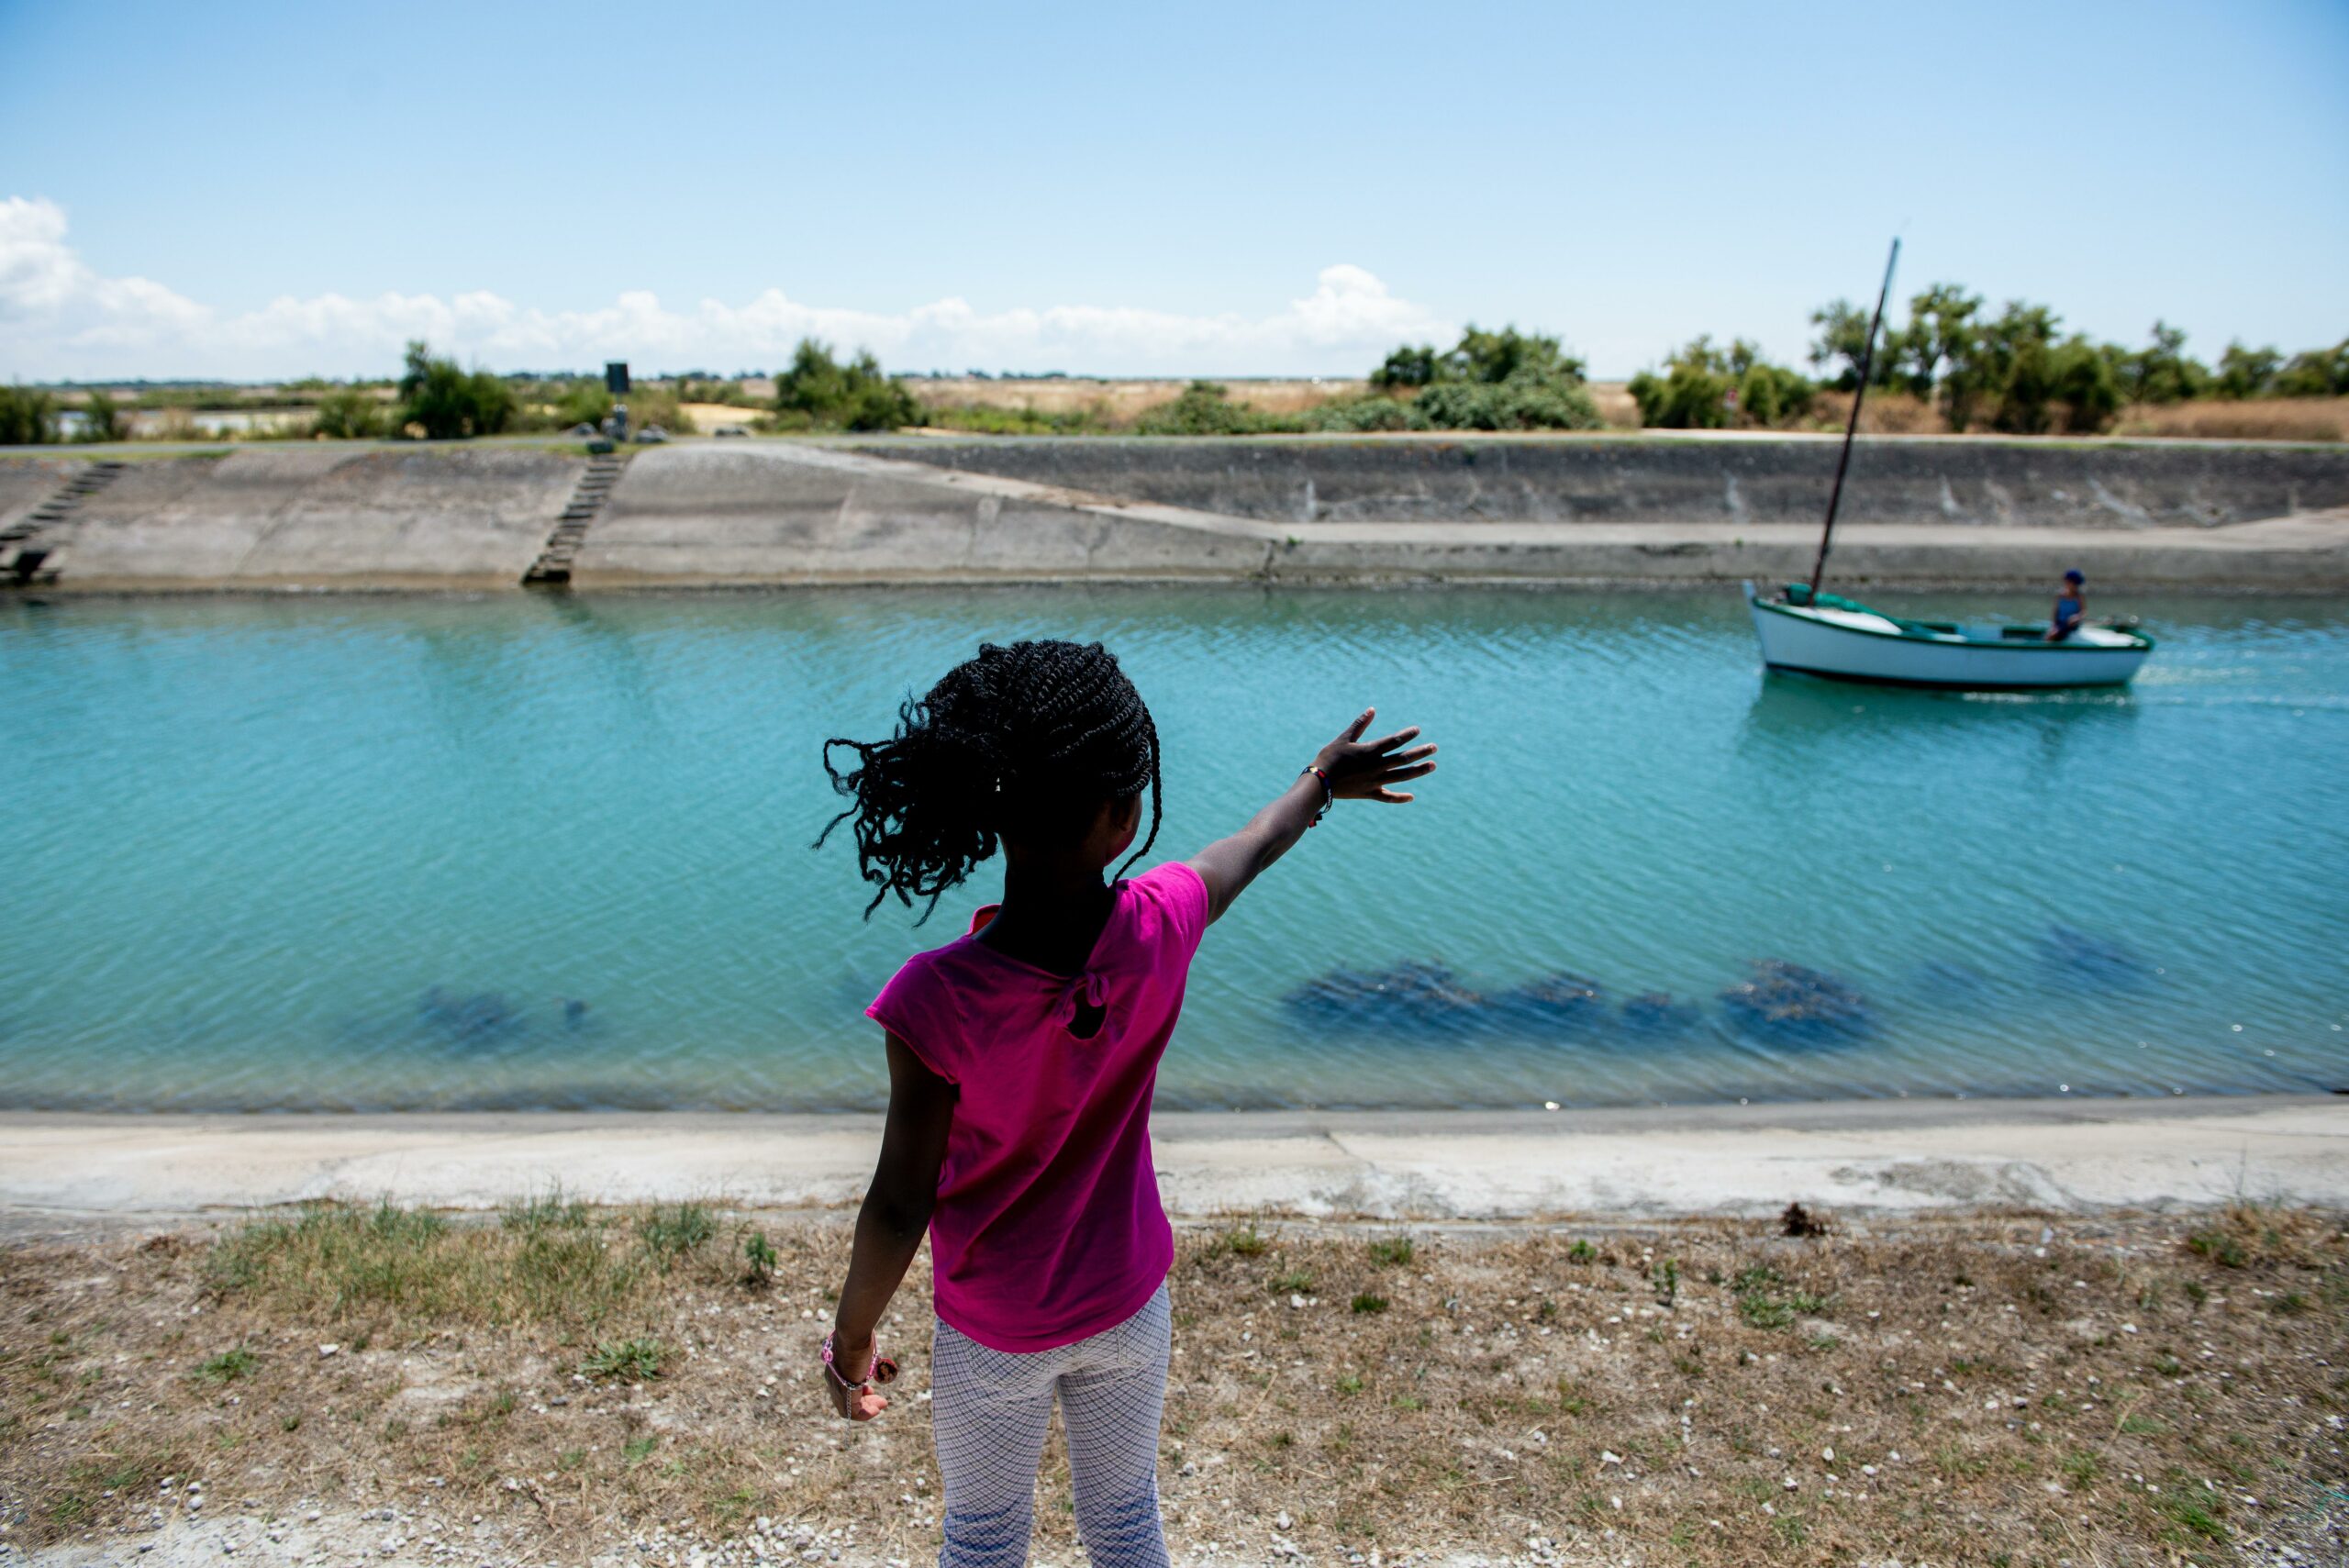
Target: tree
{"x":349,"y":413}
{"x":1507,"y":379}
{"x":2319,"y":372}
{"x":1507,"y":355}
{"x":1518,"y":403}
{"x":585,"y":401}
{"x":2162,"y":372}
{"x":102,"y":419}
{"x":27,"y":419}
{"x":2016,"y":369}
{"x":1842,"y":339}
{"x":447,"y":402}
{"x":1693,"y":392}
{"x":2085,"y":380}
{"x":1407,"y":366}
{"x":1707,"y":388}
{"x":1204,"y":408}
{"x":2246,"y":373}
{"x":1944,"y":342}
{"x":820,"y":393}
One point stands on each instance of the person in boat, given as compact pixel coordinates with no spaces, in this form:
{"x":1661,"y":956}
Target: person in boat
{"x":1021,"y":1059}
{"x":2071,"y":607}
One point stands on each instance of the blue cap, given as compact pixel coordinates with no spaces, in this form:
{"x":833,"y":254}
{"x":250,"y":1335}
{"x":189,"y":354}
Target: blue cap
{"x":2073,"y":576}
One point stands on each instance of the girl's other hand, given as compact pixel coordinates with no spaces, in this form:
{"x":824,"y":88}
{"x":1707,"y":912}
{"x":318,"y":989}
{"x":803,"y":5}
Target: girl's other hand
{"x":1368,"y":770}
{"x":852,"y":1401}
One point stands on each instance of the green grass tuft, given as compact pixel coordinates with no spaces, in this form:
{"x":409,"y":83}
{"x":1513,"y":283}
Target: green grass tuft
{"x":636,"y":1360}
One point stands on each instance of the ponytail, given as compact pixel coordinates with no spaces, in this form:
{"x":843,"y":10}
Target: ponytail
{"x":1034,"y":736}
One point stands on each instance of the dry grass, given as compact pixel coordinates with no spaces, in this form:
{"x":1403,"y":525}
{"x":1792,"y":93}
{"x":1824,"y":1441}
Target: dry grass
{"x":1616,"y":405}
{"x":1988,"y":1391}
{"x":1885,"y":413}
{"x":1119,"y":402}
{"x":2262,"y":419}
{"x":711,"y":417}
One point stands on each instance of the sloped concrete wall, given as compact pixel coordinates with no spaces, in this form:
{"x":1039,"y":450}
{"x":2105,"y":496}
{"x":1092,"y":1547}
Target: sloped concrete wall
{"x":1654,"y":479}
{"x":790,"y":513}
{"x":323,"y":516}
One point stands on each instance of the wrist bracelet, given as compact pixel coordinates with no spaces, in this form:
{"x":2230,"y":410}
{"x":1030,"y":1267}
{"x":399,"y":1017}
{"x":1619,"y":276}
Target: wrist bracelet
{"x":882,"y":1370}
{"x":1328,"y":796}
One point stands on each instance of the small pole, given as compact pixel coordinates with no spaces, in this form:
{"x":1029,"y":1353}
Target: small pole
{"x":1867,"y":358}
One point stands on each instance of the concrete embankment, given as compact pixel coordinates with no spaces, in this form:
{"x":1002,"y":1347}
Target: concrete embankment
{"x":1903,"y":1156}
{"x":306,"y":517}
{"x":1563,"y":509}
{"x":1666,"y":481}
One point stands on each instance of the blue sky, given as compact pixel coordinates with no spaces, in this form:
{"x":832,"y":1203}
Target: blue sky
{"x":254,"y":190}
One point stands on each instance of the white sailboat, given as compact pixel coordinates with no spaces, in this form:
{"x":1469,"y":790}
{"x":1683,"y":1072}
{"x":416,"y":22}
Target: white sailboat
{"x":1808,"y":631}
{"x":1825,"y":634}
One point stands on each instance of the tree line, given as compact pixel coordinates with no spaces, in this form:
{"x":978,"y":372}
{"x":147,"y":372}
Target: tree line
{"x":2015,"y":371}
{"x":2019,"y":372}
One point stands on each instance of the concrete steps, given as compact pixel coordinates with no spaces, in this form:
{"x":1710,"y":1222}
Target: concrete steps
{"x":552,"y":568}
{"x":29,"y":547}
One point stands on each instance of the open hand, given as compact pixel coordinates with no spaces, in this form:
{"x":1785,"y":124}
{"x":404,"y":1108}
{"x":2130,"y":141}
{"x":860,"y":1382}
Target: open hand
{"x":858,"y":1402}
{"x":1368,"y":770}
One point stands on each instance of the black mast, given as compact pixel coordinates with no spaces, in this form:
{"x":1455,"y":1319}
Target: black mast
{"x":1867,"y":356}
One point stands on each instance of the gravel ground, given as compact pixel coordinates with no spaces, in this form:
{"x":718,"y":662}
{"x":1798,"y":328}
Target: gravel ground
{"x":575,"y":1385}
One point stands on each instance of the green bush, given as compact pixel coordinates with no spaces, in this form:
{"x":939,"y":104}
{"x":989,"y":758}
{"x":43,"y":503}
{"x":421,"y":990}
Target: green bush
{"x":349,"y":413}
{"x":1204,"y":408}
{"x":1352,"y":414}
{"x":1707,"y":388}
{"x":2087,"y":383}
{"x":704,"y":389}
{"x":2246,"y":373}
{"x":1770,"y":394}
{"x":582,"y":401}
{"x":451,"y":404}
{"x":2319,"y":372}
{"x":2161,"y":372}
{"x":102,"y":420}
{"x":648,"y":404}
{"x":1488,"y":380}
{"x":818,"y":392}
{"x":1509,"y":355}
{"x":1407,"y":366}
{"x":28,"y":417}
{"x":1526,"y":403}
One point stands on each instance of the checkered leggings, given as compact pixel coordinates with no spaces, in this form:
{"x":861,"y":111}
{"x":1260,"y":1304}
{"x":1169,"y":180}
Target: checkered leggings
{"x":989,"y":1411}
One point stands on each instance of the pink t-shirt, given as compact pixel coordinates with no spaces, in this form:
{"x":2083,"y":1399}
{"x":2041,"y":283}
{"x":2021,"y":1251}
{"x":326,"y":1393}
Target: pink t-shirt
{"x":1048,"y":1227}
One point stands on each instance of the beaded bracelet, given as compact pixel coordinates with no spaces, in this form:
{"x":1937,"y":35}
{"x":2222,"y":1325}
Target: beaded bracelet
{"x":883,"y":1369}
{"x":1328,"y":796}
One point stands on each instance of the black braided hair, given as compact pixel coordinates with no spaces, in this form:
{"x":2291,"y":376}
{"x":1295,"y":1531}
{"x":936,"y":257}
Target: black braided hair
{"x":1026,"y":740}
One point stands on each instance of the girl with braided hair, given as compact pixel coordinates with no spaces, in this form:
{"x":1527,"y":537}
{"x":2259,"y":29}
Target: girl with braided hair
{"x":1021,"y":1059}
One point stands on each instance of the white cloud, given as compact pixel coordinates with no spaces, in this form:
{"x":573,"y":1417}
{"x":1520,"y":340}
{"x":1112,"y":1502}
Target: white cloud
{"x":61,"y":319}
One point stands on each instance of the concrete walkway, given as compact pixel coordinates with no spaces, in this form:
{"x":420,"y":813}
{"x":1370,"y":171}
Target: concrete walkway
{"x":1894,"y":1157}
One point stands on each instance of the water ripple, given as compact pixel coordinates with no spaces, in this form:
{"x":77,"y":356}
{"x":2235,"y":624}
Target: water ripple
{"x":517,"y":852}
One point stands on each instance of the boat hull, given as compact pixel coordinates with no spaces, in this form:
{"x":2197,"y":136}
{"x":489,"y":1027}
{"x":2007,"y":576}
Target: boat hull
{"x":1843,"y":648}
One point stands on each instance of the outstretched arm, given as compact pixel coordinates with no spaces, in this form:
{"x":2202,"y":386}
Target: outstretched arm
{"x":889,"y":1225}
{"x":1356,"y":769}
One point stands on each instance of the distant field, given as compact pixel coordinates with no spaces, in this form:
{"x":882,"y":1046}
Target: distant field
{"x":1119,"y":402}
{"x":2267,"y":419}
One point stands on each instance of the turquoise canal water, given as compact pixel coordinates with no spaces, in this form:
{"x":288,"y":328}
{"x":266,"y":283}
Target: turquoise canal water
{"x":542,"y":852}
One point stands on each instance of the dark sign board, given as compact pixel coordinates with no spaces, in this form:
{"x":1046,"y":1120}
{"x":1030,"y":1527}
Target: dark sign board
{"x":616,"y":377}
